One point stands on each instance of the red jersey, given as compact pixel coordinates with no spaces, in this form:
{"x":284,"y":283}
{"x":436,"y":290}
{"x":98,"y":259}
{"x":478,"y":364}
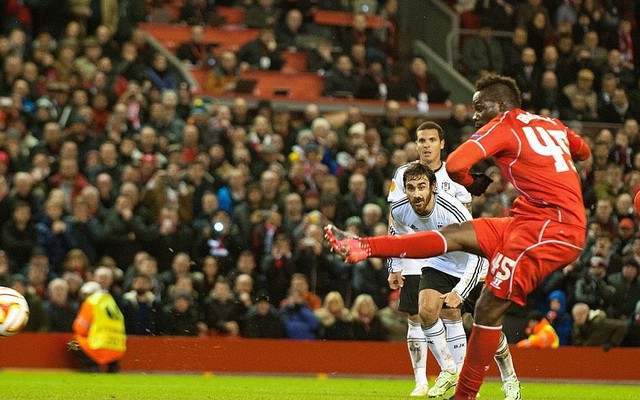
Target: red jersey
{"x":535,"y":154}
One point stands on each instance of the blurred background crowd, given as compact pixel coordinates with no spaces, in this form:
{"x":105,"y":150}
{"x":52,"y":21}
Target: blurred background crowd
{"x":204,"y":217}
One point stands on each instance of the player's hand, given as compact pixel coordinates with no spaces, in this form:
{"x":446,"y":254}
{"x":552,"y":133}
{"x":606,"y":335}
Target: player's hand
{"x":396,"y":280}
{"x":451,"y":299}
{"x":480,"y":183}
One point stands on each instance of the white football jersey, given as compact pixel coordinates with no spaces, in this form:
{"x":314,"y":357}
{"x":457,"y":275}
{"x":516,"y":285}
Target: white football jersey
{"x":443,"y":183}
{"x":447,"y":210}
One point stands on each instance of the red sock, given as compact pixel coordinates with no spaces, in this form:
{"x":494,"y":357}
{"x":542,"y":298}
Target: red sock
{"x":481,"y":348}
{"x":416,"y":245}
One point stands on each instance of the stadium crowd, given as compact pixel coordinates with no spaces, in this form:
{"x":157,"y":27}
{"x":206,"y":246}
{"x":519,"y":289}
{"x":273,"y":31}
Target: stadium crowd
{"x":206,"y":219}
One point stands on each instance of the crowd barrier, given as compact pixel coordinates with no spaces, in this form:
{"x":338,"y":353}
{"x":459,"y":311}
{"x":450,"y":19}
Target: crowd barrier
{"x":257,"y":356}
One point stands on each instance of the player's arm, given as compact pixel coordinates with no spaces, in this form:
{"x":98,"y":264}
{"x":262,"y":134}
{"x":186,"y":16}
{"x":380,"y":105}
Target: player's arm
{"x":83,"y":321}
{"x":395,"y":279}
{"x":579,"y":148}
{"x":459,"y":165}
{"x":474,"y":272}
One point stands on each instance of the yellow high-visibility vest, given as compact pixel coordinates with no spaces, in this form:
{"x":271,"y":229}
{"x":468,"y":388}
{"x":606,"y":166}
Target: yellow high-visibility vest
{"x":107,"y":330}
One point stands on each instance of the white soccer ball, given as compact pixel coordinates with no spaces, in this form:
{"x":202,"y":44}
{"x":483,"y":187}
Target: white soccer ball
{"x":14,"y":312}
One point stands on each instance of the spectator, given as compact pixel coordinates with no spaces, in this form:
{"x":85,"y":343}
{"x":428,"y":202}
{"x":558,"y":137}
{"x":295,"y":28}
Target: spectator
{"x":180,"y":317}
{"x":278,"y":268}
{"x":620,"y":109}
{"x":592,"y":288}
{"x":299,"y":321}
{"x":172,"y":236}
{"x":222,"y":312}
{"x":627,"y":290}
{"x":318,"y":265}
{"x":262,"y":320}
{"x":25,"y":190}
{"x":539,"y":32}
{"x":336,"y":322}
{"x":621,"y":70}
{"x":559,"y":317}
{"x":19,"y":236}
{"x":87,"y":63}
{"x":105,"y":344}
{"x":195,"y":52}
{"x":261,"y":53}
{"x":55,"y":235}
{"x":341,"y":82}
{"x":92,"y":14}
{"x":320,"y":58}
{"x":584,"y":87}
{"x":527,"y":74}
{"x":126,"y":232}
{"x":70,"y":180}
{"x":367,"y":323}
{"x":541,"y":333}
{"x":420,"y":83}
{"x":593,"y":328}
{"x":141,"y":308}
{"x":512,"y":50}
{"x":197,"y":12}
{"x":359,"y":33}
{"x":61,"y":310}
{"x":224,"y":74}
{"x":130,"y":65}
{"x":160,"y":73}
{"x":633,"y":335}
{"x":589,"y":54}
{"x":394,"y":321}
{"x":482,"y":54}
{"x":288,"y":33}
{"x":262,"y":14}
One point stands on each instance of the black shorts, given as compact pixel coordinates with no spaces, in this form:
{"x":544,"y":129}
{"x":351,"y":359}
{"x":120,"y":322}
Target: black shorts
{"x":469,"y":304}
{"x":439,"y":281}
{"x":409,"y":294}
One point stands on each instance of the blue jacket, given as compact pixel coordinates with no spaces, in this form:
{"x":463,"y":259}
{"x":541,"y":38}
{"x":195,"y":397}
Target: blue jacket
{"x":299,"y":322}
{"x":562,"y":323}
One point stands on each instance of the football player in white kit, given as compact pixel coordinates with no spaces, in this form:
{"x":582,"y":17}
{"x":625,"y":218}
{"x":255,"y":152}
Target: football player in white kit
{"x":455,"y":278}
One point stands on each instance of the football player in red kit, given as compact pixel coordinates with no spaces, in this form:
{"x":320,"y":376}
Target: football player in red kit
{"x":545,"y":232}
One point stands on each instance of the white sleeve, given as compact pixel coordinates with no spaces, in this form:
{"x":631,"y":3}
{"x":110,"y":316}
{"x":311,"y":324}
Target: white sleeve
{"x":475,"y":271}
{"x":396,"y":190}
{"x":394,"y":264}
{"x":462,"y":194}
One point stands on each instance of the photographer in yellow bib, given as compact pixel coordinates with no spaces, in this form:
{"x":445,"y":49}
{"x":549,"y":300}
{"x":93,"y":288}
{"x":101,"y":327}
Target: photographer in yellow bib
{"x":100,"y":335}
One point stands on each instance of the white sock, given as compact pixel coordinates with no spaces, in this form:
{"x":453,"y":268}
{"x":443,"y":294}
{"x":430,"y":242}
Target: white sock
{"x":504,"y":361}
{"x":437,"y":343}
{"x":456,"y":340}
{"x":417,"y":345}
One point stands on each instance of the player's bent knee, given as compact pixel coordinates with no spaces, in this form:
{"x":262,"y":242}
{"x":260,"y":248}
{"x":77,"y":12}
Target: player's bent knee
{"x":428,"y":316}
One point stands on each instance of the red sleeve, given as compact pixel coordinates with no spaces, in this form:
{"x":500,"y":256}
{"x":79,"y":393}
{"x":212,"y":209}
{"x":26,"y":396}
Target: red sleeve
{"x":578,"y":147}
{"x":459,"y":162}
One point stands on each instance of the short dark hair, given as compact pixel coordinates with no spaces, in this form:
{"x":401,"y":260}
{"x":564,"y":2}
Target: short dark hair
{"x":500,"y":88}
{"x":416,"y":171}
{"x":430,"y":125}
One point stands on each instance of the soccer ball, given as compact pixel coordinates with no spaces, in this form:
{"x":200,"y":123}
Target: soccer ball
{"x":14,"y":312}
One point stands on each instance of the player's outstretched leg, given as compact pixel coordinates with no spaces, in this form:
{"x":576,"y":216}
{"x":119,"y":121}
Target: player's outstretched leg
{"x":510,"y":383}
{"x":417,"y":345}
{"x":346,"y":245}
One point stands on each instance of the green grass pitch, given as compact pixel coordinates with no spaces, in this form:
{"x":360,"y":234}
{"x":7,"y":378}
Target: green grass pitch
{"x":47,"y":385}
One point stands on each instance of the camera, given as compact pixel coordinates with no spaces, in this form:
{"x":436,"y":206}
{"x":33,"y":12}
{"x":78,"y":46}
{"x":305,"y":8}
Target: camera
{"x":217,"y":227}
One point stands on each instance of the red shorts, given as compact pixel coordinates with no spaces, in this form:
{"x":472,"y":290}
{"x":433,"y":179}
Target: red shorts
{"x":523,"y":251}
